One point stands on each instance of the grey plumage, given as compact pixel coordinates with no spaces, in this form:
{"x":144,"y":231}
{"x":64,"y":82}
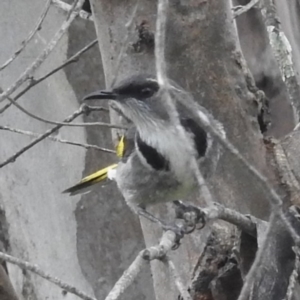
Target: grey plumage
{"x":155,"y":137}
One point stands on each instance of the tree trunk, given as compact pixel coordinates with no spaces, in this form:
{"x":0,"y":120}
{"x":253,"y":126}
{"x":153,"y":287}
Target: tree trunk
{"x":203,"y":56}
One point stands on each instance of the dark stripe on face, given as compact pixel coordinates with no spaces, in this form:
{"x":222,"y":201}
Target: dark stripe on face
{"x":153,"y":158}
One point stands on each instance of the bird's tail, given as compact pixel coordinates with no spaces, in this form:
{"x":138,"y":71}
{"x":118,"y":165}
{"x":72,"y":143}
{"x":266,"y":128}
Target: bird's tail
{"x":87,"y":182}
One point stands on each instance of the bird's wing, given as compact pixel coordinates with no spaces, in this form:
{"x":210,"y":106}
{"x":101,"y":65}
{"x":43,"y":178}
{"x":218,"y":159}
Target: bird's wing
{"x":124,"y":149}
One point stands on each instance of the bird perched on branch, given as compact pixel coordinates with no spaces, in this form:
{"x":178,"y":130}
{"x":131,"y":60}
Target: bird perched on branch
{"x":156,"y":160}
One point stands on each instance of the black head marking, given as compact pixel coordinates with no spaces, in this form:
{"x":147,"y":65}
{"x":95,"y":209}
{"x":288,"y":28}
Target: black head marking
{"x":139,"y":87}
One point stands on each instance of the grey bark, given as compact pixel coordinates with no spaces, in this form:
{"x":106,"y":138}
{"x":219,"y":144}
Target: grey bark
{"x":205,"y":60}
{"x":100,"y":240}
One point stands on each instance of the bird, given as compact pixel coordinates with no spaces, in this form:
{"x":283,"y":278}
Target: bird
{"x":155,"y":161}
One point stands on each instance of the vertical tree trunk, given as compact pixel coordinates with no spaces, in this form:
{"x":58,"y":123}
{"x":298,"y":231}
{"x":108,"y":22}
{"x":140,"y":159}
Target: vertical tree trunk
{"x":203,"y":56}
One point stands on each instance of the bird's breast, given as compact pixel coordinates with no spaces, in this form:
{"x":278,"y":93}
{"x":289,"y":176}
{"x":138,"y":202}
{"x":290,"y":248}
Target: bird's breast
{"x":173,"y":151}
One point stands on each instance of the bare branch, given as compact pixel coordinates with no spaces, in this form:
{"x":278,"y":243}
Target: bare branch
{"x":30,"y":70}
{"x":283,"y":53}
{"x":178,"y":282}
{"x":194,"y":215}
{"x":37,"y":270}
{"x":161,"y":71}
{"x":128,"y":277}
{"x":294,"y":276}
{"x":241,"y":9}
{"x":55,"y":139}
{"x":30,"y":114}
{"x":34,"y":82}
{"x":30,"y":36}
{"x":218,"y":211}
{"x":258,"y":263}
{"x":142,"y":259}
{"x":67,"y":8}
{"x":159,"y":251}
{"x":124,"y":44}
{"x":13,"y":158}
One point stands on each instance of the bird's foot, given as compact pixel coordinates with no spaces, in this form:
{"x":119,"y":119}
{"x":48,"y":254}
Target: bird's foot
{"x":179,"y":229}
{"x":142,"y":212}
{"x":193,"y":215}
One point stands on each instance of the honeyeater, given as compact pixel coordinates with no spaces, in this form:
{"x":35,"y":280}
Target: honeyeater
{"x":156,"y":160}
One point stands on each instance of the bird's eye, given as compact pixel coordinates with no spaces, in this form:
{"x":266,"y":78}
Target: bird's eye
{"x":146,"y":92}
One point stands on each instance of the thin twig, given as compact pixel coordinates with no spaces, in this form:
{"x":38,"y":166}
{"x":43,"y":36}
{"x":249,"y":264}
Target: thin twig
{"x":156,"y":252}
{"x":73,"y":5}
{"x":30,"y":114}
{"x":37,"y":270}
{"x":67,"y":8}
{"x":55,"y":139}
{"x":283,"y":52}
{"x":159,"y":251}
{"x":178,"y":282}
{"x":11,"y":159}
{"x":102,"y":124}
{"x":294,"y":276}
{"x":168,"y":102}
{"x":128,"y":277}
{"x":34,"y":82}
{"x":241,"y":9}
{"x":37,"y":27}
{"x":41,"y":58}
{"x":124,"y":44}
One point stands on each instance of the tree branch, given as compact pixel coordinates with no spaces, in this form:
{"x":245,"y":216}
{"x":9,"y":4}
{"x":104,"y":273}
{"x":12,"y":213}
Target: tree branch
{"x":282,"y":52}
{"x":194,"y":215}
{"x":34,"y":82}
{"x":142,"y":259}
{"x":55,"y":139}
{"x":178,"y":282}
{"x":30,"y":36}
{"x":124,"y":45}
{"x":30,"y":114}
{"x":294,"y":276}
{"x":30,"y":70}
{"x":241,"y":9}
{"x":36,"y":269}
{"x":218,"y":211}
{"x":13,"y":158}
{"x":67,"y":8}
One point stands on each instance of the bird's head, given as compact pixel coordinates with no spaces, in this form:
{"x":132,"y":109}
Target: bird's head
{"x":138,"y":97}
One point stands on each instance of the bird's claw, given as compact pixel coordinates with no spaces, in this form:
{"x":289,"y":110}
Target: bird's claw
{"x":179,"y":230}
{"x":193,"y":215}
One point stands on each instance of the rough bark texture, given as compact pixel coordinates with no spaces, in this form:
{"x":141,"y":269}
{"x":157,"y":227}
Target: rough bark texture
{"x":202,"y":56}
{"x":90,"y":241}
